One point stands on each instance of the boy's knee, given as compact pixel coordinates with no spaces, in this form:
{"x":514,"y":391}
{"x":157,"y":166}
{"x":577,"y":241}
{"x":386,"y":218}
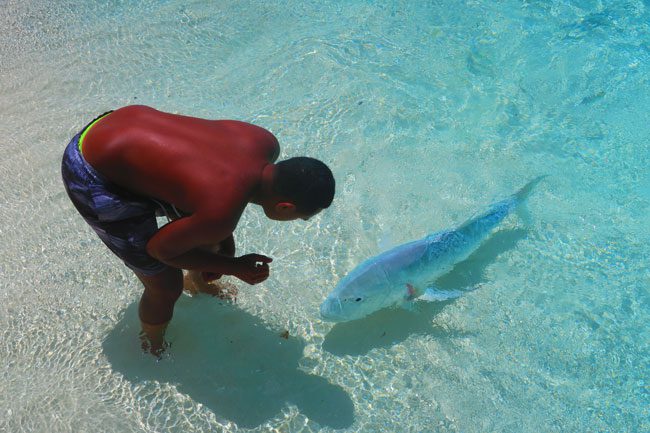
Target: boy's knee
{"x":167,"y":284}
{"x":170,"y":293}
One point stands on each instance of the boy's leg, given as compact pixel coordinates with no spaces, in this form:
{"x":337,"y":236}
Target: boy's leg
{"x":157,"y":305}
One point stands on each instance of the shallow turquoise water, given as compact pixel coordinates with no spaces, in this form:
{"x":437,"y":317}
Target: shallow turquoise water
{"x":426,"y":112}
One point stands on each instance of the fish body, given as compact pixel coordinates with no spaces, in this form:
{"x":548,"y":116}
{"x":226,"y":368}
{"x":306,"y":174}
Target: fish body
{"x":405,"y":273}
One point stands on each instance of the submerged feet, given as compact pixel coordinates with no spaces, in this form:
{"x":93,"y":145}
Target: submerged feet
{"x":152,"y":336}
{"x":152,"y":339}
{"x":193,"y":283}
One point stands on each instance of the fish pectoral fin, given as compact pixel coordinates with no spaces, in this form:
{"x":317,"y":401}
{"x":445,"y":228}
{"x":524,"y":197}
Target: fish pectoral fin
{"x":409,"y":306}
{"x":411,"y":293}
{"x":434,"y":294}
{"x":409,"y":298}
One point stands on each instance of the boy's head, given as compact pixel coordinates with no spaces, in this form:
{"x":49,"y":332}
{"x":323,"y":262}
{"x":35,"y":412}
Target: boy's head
{"x":304,"y":185}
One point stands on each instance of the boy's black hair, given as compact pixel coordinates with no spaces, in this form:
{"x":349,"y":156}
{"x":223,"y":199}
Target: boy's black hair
{"x":306,"y":182}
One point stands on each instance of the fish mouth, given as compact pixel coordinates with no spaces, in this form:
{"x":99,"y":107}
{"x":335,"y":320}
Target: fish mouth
{"x":331,"y":310}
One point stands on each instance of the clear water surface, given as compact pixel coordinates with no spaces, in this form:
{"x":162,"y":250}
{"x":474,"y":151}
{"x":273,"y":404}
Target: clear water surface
{"x":427,"y":111}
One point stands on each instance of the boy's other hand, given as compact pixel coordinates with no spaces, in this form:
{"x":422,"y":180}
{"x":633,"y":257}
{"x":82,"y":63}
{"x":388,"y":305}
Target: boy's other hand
{"x":252,"y":268}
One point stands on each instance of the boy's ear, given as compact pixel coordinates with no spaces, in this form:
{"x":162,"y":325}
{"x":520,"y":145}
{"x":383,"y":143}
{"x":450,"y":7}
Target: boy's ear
{"x":285,"y":206}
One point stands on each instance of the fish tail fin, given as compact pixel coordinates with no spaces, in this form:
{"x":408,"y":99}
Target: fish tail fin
{"x":525,"y":191}
{"x":486,"y":221}
{"x":520,"y":198}
{"x":524,"y":215}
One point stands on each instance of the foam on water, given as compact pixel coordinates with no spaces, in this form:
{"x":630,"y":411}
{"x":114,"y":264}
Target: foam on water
{"x":426,"y":111}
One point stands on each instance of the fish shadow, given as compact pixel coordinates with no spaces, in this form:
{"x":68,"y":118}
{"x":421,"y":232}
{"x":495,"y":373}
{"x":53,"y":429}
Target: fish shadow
{"x":390,"y":326}
{"x":229,"y":361}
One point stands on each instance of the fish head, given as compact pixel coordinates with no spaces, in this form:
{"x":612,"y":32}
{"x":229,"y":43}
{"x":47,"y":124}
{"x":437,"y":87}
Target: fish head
{"x":356,"y":296}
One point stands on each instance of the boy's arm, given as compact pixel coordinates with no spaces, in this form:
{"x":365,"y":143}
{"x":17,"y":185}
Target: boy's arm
{"x":180,"y":245}
{"x":227,"y":246}
{"x":186,"y":235}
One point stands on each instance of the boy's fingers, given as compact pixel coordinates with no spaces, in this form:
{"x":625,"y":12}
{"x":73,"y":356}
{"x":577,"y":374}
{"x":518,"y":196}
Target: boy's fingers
{"x":263,"y":259}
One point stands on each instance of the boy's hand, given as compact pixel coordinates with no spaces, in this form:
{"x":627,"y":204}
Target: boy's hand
{"x":252,"y":268}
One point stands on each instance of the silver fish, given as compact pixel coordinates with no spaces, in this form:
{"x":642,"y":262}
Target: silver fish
{"x":406,"y":272}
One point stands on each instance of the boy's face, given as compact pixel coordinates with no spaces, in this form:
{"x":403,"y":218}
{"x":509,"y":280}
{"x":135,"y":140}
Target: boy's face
{"x":285,"y":211}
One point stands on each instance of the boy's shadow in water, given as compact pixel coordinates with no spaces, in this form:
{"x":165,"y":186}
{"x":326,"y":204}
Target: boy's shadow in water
{"x":229,"y":361}
{"x":390,"y":326}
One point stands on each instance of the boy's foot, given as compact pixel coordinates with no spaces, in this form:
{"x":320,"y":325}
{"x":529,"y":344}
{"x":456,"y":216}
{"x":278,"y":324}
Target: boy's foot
{"x":193,"y":283}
